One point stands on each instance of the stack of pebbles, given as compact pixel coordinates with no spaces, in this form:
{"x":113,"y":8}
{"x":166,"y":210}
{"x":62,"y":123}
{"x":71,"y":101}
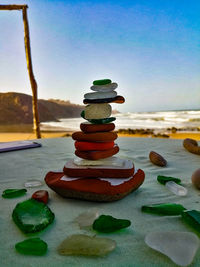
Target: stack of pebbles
{"x":96,"y":140}
{"x":96,"y":174}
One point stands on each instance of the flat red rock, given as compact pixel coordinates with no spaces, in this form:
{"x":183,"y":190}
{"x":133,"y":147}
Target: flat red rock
{"x":104,"y":171}
{"x":95,"y":137}
{"x":93,"y":128}
{"x":94,"y":155}
{"x":93,"y":189}
{"x":87,"y":146}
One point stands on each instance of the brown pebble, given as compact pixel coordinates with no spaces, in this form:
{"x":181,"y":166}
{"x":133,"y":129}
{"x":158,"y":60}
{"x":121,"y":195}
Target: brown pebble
{"x":191,"y":145}
{"x":196,"y":178}
{"x":157,"y":159}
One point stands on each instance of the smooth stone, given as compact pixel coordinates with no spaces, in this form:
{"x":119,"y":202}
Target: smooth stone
{"x":97,"y":111}
{"x":112,"y":161}
{"x":180,"y":247}
{"x":87,"y":218}
{"x":95,"y":137}
{"x":32,"y":246}
{"x":33,"y":183}
{"x":109,"y":224}
{"x":41,"y":195}
{"x":118,"y":99}
{"x":88,"y":146}
{"x":93,"y":128}
{"x":104,"y":88}
{"x":98,"y":121}
{"x":196,"y":178}
{"x":100,"y":95}
{"x":164,"y":209}
{"x":101,"y":82}
{"x":80,"y":244}
{"x":98,"y":154}
{"x":32,"y":216}
{"x":192,"y":218}
{"x":164,"y":179}
{"x":12,"y":193}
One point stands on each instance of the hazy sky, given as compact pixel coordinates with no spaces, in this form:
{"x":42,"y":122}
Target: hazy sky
{"x":150,"y":48}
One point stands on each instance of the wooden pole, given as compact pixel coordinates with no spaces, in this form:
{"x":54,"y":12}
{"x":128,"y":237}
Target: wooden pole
{"x":36,"y":122}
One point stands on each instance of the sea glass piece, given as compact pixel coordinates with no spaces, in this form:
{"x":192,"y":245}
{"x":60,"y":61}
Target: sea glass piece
{"x":164,"y":179}
{"x":32,"y":246}
{"x":111,"y":161}
{"x":164,"y":209}
{"x":180,"y":247}
{"x":32,"y":216}
{"x":41,"y":195}
{"x":192,"y":218}
{"x":98,"y":121}
{"x":12,"y":193}
{"x":102,"y":82}
{"x":33,"y":183}
{"x":108,"y":224}
{"x":80,"y":244}
{"x":87,"y":218}
{"x":104,"y":88}
{"x":177,"y":189}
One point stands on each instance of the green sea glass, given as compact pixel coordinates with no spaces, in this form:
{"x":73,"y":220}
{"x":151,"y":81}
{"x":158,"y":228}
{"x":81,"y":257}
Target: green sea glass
{"x":12,"y":193}
{"x":102,"y":82}
{"x":164,"y":209}
{"x":85,"y":245}
{"x":32,"y":246}
{"x":164,"y":179}
{"x":98,"y":121}
{"x":109,"y":224}
{"x":32,"y":216}
{"x":192,"y":218}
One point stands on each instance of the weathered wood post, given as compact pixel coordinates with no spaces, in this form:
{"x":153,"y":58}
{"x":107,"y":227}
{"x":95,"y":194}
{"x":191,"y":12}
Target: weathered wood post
{"x":36,"y":122}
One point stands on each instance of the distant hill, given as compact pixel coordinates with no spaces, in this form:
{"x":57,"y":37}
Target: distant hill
{"x":16,"y":108}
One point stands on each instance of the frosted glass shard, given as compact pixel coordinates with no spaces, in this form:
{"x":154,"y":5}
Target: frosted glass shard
{"x":111,"y":161}
{"x":177,"y":189}
{"x":86,"y":245}
{"x":87,"y":218}
{"x":32,"y":183}
{"x":180,"y":247}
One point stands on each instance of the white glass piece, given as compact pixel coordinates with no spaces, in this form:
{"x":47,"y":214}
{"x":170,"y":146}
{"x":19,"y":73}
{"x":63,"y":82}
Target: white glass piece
{"x":176,"y":188}
{"x":180,"y":247}
{"x":112,"y":161}
{"x":100,"y":95}
{"x":87,"y":218}
{"x":33,"y":183}
{"x":104,"y":88}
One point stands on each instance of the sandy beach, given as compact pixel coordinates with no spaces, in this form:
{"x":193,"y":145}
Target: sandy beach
{"x":16,"y":136}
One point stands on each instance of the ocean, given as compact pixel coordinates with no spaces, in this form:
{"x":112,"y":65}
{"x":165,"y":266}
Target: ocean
{"x":162,"y":120}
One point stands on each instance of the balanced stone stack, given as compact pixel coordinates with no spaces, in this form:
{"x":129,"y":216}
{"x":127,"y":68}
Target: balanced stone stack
{"x":96,"y":140}
{"x":96,"y":174}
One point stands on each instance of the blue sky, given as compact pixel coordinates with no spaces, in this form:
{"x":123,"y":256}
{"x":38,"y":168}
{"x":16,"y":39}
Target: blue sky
{"x":150,"y":48}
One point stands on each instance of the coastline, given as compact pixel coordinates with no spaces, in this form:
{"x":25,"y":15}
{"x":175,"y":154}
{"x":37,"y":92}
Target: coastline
{"x":16,"y":136}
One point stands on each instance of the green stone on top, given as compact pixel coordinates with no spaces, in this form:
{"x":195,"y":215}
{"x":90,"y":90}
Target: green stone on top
{"x":109,"y":224}
{"x":102,"y":82}
{"x":32,"y":216}
{"x":164,"y":209}
{"x":32,"y":246}
{"x":164,"y":179}
{"x":192,"y":218}
{"x":12,"y":193}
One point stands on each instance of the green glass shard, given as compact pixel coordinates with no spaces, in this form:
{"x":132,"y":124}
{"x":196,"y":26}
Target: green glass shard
{"x":164,"y":179}
{"x":98,"y":121}
{"x":108,"y":224}
{"x":32,"y":216}
{"x":192,"y":218}
{"x":102,"y":82}
{"x":164,"y":209}
{"x":32,"y":246}
{"x":12,"y":193}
